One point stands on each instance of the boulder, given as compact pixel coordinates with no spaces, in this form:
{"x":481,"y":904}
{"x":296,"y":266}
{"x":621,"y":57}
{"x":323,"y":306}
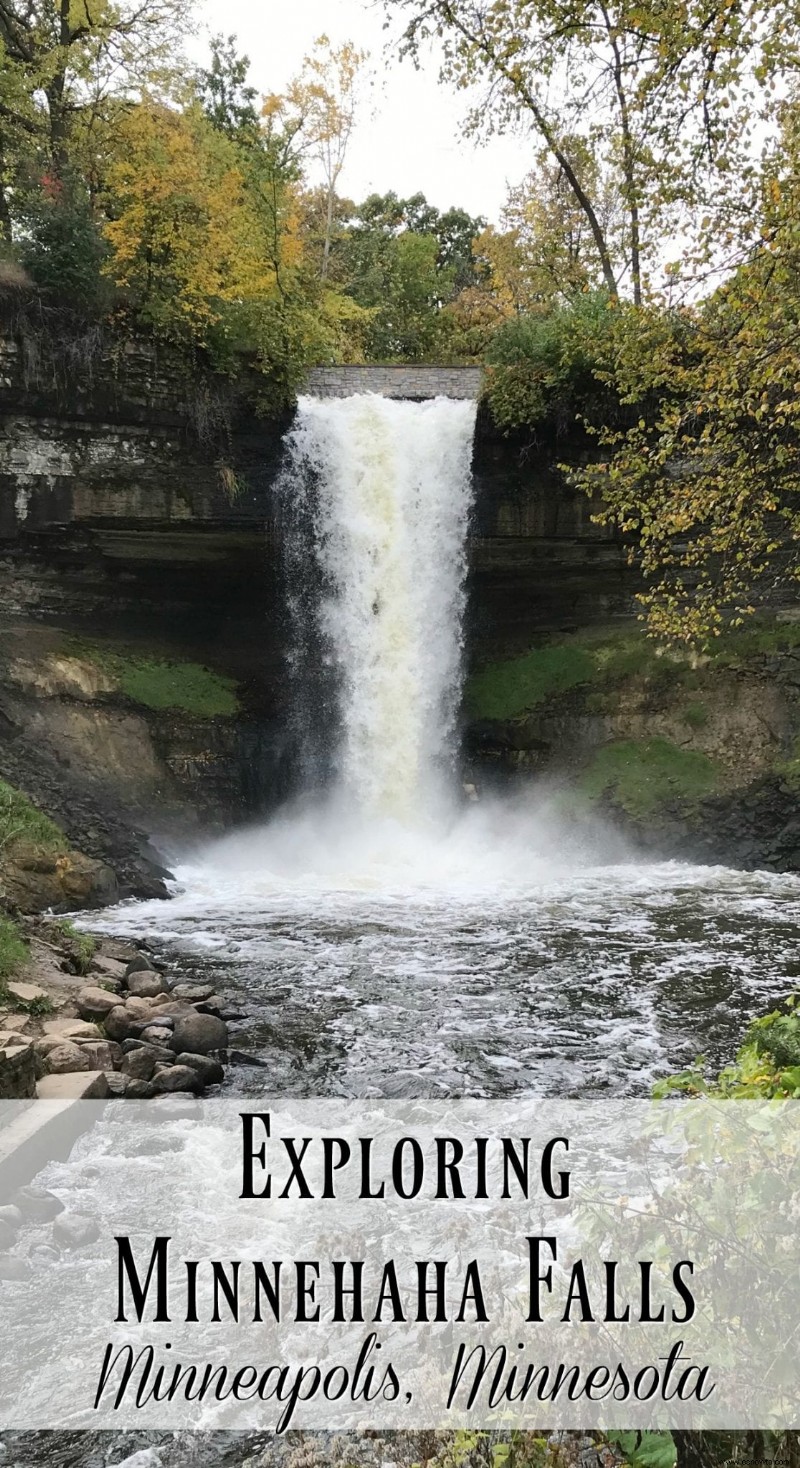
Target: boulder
{"x":101,"y":1054}
{"x":73,"y":1231}
{"x":157,"y":1035}
{"x":117,"y":1083}
{"x":138,"y":1064}
{"x":177,"y":1078}
{"x":96,"y":1004}
{"x":138,"y":965}
{"x":193,"y":993}
{"x":210,"y":1071}
{"x":37,"y":1205}
{"x":117,"y":1023}
{"x":65,"y":1058}
{"x":112,"y":969}
{"x":198,"y":1034}
{"x":27,"y":994}
{"x":17,"y":1071}
{"x":146,"y":985}
{"x":139,"y":1090}
{"x":36,"y":878}
{"x":72,"y":1029}
{"x":87,"y":1085}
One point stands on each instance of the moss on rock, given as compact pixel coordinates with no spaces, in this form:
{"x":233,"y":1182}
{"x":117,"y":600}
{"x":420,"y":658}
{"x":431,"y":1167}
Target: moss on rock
{"x":164,"y":683}
{"x":642,"y":775}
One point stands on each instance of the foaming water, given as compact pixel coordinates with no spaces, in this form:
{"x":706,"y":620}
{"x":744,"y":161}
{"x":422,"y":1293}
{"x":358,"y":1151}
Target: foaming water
{"x":379,"y":494}
{"x":500,"y":954}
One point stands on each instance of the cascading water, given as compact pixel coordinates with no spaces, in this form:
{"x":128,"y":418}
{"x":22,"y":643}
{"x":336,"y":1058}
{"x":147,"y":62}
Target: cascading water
{"x":379,"y":495}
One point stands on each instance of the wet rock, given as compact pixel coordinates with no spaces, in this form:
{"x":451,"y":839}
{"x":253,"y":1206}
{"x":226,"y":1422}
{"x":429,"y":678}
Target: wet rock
{"x":101,"y":1054}
{"x":117,"y":1024}
{"x":73,"y":1231}
{"x":37,"y":1204}
{"x":43,"y":1254}
{"x":139,"y":1090}
{"x":66,"y":1058}
{"x":193,"y":993}
{"x":11,"y":1215}
{"x":13,"y":1268}
{"x":139,"y":1064}
{"x":177,"y":1078}
{"x":210,"y":1071}
{"x":117,"y":1083}
{"x":138,"y":965}
{"x":96,"y":1004}
{"x":198,"y":1034}
{"x":146,"y":985}
{"x":241,"y":1057}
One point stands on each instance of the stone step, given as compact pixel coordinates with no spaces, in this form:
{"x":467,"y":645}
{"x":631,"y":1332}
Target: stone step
{"x":82,"y":1085}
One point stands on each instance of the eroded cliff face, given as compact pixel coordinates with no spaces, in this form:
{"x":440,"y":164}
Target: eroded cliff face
{"x":143,"y":676}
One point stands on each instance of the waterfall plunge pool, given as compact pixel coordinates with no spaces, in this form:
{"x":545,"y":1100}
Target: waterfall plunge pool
{"x":489,"y":959}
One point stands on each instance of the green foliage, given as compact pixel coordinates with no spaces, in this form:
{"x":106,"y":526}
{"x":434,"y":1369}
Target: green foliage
{"x":82,"y":946}
{"x":61,"y":246}
{"x":159,"y":683}
{"x":507,"y":689}
{"x":21,"y":821}
{"x":641,"y":776}
{"x":646,"y":1449}
{"x":767,"y":1065}
{"x":14,"y":951}
{"x":548,"y":368}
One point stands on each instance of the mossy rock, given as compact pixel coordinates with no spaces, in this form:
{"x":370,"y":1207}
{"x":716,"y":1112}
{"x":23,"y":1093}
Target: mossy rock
{"x":643,"y":776}
{"x":20,"y":821}
{"x":163,"y":683}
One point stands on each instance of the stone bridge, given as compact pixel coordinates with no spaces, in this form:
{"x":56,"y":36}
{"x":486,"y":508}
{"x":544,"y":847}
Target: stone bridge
{"x":402,"y":381}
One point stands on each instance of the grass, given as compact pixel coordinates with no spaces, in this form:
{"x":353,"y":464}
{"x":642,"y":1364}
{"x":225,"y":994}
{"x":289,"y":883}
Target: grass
{"x":162,"y":683}
{"x":643,"y":775}
{"x":21,"y":821}
{"x":603,"y":660}
{"x":14,"y":951}
{"x":696,"y":715}
{"x":83,"y":945}
{"x":508,"y":689}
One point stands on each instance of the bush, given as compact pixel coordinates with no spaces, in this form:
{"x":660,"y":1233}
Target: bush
{"x":61,"y":247}
{"x":545,"y":369}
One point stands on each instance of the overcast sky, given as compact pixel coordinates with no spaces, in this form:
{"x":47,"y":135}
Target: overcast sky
{"x":415,"y":140}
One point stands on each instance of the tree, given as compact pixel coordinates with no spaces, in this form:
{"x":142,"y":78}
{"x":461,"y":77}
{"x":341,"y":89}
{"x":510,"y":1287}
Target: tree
{"x":318,"y":111}
{"x":225,"y":94}
{"x":659,"y":93}
{"x":74,"y":61}
{"x":185,"y":237}
{"x":706,"y":479}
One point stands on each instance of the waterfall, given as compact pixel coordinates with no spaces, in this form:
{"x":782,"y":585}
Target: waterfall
{"x":379,"y":495}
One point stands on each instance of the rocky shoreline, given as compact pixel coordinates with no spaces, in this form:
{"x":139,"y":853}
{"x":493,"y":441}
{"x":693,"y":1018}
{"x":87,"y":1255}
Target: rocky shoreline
{"x":95,"y":1017}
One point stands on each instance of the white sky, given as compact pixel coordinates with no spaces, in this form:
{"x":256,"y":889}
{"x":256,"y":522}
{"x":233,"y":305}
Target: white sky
{"x":415,"y":141}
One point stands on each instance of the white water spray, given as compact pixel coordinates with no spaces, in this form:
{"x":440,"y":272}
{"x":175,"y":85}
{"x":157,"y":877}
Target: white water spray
{"x":392,"y":493}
